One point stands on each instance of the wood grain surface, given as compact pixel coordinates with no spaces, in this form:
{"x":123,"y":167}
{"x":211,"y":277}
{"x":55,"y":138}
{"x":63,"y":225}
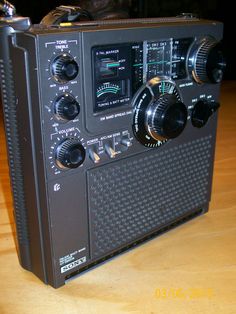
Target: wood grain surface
{"x":191,"y":269}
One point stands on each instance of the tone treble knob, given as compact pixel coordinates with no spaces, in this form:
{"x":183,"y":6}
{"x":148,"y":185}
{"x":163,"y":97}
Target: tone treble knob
{"x":207,"y":62}
{"x":64,"y":68}
{"x":166,"y":117}
{"x":66,"y":107}
{"x":70,"y":154}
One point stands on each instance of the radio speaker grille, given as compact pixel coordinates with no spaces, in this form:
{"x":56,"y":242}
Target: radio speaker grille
{"x":132,"y":197}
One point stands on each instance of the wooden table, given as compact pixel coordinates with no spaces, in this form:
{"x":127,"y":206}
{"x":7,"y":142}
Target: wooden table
{"x":191,"y":269}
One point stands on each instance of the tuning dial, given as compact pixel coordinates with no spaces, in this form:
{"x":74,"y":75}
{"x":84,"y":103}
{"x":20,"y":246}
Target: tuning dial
{"x":166,"y":117}
{"x":202,"y":111}
{"x":64,"y":68}
{"x":70,"y":154}
{"x":206,"y":61}
{"x":159,"y":114}
{"x":66,"y":107}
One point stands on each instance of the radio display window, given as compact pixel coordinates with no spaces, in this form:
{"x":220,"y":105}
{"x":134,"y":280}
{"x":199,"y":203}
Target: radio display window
{"x":112,"y":77}
{"x":120,"y":70}
{"x":111,"y":94}
{"x":107,"y":68}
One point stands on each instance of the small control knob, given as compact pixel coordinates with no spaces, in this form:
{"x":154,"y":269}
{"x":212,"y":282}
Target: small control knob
{"x":166,"y":117}
{"x":66,"y":107}
{"x":64,"y":68}
{"x":207,"y":61}
{"x":202,"y":111}
{"x":70,"y":154}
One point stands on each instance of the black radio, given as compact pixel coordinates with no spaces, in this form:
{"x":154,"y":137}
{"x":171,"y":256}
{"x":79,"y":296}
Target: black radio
{"x":111,"y":129}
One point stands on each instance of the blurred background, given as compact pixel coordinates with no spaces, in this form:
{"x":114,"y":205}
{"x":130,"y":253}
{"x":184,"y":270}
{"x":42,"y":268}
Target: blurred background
{"x":210,"y":9}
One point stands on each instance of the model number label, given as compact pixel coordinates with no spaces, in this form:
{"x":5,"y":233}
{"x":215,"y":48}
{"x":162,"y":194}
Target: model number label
{"x":73,"y":264}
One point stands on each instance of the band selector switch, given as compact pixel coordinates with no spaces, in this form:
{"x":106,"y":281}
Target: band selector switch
{"x":110,"y":151}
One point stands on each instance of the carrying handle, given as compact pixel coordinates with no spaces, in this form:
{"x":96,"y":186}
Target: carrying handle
{"x":64,"y":14}
{"x":7,"y":8}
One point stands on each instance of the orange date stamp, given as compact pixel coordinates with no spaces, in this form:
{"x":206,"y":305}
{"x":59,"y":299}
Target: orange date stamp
{"x":191,"y":293}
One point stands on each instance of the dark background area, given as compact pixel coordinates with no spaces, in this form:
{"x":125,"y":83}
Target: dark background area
{"x":210,"y":9}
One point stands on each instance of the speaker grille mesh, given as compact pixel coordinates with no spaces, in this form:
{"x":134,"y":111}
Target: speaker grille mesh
{"x":132,"y":197}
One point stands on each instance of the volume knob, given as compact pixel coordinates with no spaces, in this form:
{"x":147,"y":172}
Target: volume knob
{"x":64,"y":68}
{"x":70,"y":154}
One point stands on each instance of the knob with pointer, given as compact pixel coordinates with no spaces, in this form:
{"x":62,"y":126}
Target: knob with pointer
{"x":202,"y":111}
{"x":64,"y":68}
{"x":66,"y":107}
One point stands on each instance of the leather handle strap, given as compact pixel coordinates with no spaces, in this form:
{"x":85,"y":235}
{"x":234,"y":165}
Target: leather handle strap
{"x":63,"y":14}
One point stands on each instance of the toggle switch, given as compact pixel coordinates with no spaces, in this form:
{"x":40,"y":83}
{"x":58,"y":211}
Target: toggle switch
{"x":110,"y":151}
{"x":94,"y":156}
{"x":126,"y":142}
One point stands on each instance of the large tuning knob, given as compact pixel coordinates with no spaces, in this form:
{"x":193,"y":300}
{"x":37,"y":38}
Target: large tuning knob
{"x":159,"y":114}
{"x":70,"y":154}
{"x":64,"y":68}
{"x":166,"y":117}
{"x":206,"y":61}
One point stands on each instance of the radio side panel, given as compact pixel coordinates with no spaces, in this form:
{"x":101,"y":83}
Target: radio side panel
{"x":13,"y":144}
{"x":23,"y":52}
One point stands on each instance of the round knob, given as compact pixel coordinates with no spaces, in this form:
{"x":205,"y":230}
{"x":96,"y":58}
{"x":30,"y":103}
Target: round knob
{"x":209,"y":63}
{"x":66,"y":107}
{"x":64,"y":68}
{"x":70,"y":154}
{"x":166,"y":117}
{"x":215,"y":65}
{"x":159,"y":114}
{"x":202,"y":111}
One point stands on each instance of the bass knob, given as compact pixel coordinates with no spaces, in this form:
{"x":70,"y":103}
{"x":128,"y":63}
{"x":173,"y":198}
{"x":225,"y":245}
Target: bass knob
{"x":66,"y":107}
